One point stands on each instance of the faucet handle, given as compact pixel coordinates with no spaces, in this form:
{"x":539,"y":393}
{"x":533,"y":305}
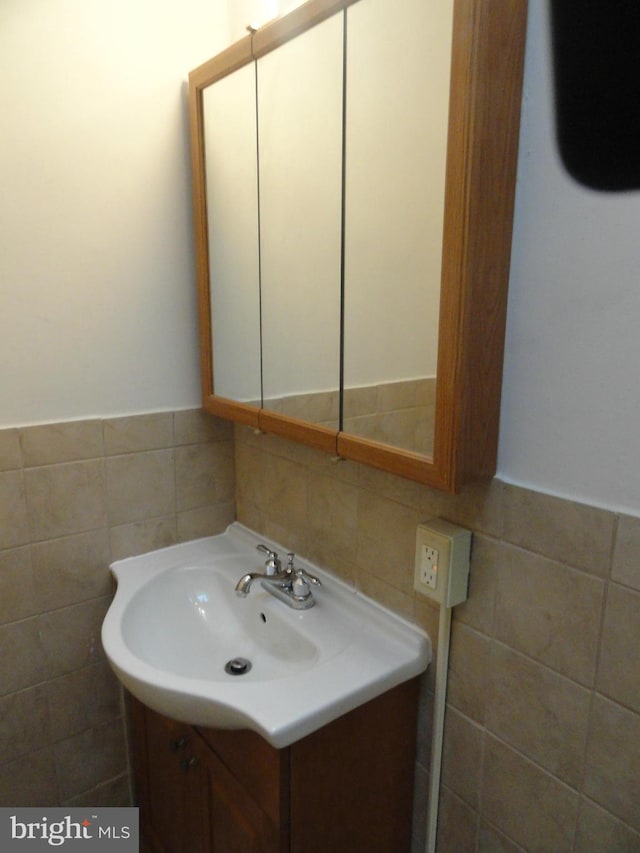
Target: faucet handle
{"x":308,"y":577}
{"x":272,"y":563}
{"x":302,"y":574}
{"x":266,"y":550}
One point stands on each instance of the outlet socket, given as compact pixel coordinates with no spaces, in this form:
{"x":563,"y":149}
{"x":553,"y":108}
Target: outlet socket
{"x":442,"y":562}
{"x":429,"y":567}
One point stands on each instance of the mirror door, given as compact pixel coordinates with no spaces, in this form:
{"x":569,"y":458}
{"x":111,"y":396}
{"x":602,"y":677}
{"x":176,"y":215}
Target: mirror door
{"x":229,"y":115}
{"x":397,"y":92}
{"x":300,"y":189}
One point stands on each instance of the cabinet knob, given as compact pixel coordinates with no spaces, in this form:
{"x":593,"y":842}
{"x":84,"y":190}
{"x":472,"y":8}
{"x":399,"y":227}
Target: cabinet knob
{"x":178,"y":744}
{"x":189,"y":762}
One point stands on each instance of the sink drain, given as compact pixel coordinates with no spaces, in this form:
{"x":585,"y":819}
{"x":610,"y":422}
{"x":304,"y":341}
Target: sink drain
{"x":237,"y":666}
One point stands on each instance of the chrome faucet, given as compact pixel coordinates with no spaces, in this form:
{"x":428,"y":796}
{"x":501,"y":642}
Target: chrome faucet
{"x":291,"y":584}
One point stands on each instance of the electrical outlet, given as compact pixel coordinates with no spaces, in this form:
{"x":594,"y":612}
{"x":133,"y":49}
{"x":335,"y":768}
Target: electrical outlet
{"x":429,"y":567}
{"x":442,"y":561}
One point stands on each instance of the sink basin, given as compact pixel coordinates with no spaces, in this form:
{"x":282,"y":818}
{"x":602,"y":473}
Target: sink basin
{"x":181,"y":640}
{"x":210,"y":626}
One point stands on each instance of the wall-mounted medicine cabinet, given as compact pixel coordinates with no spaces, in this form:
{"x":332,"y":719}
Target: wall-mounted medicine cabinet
{"x":354,"y":171}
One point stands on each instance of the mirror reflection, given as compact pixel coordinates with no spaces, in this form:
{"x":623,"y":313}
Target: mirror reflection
{"x":396,"y":142}
{"x":319,"y":265}
{"x":300,"y":163}
{"x":229,"y":119}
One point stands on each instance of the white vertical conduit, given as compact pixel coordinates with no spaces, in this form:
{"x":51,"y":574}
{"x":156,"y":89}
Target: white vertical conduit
{"x":437,"y":737}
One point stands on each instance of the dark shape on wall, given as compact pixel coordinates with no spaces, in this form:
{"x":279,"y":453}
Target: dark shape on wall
{"x":596,"y":55}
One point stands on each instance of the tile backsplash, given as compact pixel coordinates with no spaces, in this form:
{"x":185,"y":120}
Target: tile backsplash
{"x":399,"y":413}
{"x":542,"y":734}
{"x":74,"y":497}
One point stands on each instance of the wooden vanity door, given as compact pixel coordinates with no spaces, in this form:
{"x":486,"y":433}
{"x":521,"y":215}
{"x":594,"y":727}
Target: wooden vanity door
{"x":175,"y":810}
{"x":237,"y":824}
{"x":190,"y":802}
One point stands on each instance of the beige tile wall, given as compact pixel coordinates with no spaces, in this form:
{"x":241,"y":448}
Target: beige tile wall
{"x":542,"y":740}
{"x":74,"y":497}
{"x":542,"y":735}
{"x":401,"y":413}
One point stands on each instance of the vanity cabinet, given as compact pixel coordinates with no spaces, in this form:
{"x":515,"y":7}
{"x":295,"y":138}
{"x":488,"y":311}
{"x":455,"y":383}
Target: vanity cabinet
{"x":189,"y":799}
{"x":347,"y":786}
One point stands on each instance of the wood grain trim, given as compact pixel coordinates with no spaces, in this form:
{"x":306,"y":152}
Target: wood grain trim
{"x":242,"y":413}
{"x":497,"y":74}
{"x":200,"y":237}
{"x":448,"y":417}
{"x":139,"y":755}
{"x":230,"y":60}
{"x":313,"y":435}
{"x":281,"y":30}
{"x":404,"y":463}
{"x":486,"y":81}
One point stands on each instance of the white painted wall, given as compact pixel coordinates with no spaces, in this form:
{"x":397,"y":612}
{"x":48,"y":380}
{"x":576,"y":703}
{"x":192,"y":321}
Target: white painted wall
{"x":97,"y":304}
{"x":97,"y":294}
{"x":571,"y":400}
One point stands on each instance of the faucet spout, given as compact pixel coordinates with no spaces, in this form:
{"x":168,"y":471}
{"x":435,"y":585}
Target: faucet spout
{"x":244,"y":584}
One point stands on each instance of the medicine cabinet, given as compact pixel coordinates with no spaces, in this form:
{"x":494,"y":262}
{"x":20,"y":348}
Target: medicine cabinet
{"x":353,"y":179}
